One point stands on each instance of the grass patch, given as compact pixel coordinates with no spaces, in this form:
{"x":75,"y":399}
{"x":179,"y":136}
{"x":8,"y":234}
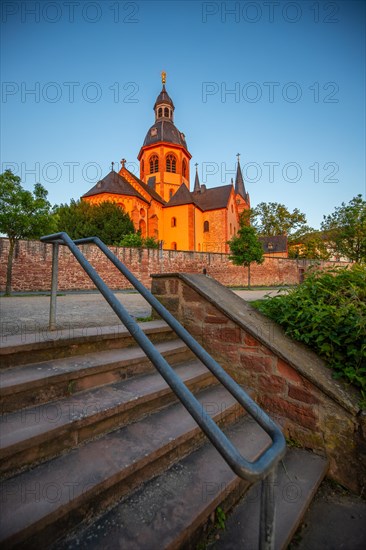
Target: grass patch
{"x":144,"y":319}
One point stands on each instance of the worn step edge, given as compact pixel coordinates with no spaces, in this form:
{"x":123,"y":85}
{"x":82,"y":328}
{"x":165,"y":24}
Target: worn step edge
{"x":51,"y":380}
{"x":17,"y":349}
{"x":299,"y":475}
{"x":172,"y":510}
{"x":31,"y":436}
{"x":97,"y":473}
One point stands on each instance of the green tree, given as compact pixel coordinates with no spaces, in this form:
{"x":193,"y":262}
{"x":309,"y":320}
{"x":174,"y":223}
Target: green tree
{"x":106,"y":220}
{"x":346,"y":229}
{"x":23,"y":215}
{"x":272,"y":218}
{"x":308,"y":243}
{"x":245,"y":247}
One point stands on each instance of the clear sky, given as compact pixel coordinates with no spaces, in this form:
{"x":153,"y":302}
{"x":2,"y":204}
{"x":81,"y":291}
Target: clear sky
{"x":281,"y":83}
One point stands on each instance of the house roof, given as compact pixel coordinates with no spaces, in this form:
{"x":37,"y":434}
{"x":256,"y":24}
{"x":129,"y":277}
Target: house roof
{"x":115,"y":184}
{"x":277,"y":243}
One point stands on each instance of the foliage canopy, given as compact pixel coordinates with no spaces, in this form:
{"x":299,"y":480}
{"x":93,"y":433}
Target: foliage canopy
{"x":245,"y":247}
{"x":346,"y":229}
{"x":328,"y":312}
{"x":106,"y":220}
{"x":272,"y":218}
{"x":23,"y":215}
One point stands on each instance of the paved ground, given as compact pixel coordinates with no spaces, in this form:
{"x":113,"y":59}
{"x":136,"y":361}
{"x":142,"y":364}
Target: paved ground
{"x":26,"y":314}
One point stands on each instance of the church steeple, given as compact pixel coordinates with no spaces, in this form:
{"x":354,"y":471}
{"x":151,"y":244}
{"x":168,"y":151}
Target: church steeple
{"x":164,"y":156}
{"x":239,"y":182}
{"x":197,"y":186}
{"x":164,"y":106}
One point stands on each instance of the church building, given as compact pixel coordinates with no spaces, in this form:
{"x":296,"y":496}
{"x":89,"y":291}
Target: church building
{"x":161,"y":203}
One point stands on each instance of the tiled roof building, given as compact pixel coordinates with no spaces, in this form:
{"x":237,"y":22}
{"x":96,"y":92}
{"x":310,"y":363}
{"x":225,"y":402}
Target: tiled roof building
{"x":160,"y":202}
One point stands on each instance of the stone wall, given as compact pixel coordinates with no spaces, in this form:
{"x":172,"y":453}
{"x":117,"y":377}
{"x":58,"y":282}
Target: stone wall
{"x":33,"y":261}
{"x":288,"y":380}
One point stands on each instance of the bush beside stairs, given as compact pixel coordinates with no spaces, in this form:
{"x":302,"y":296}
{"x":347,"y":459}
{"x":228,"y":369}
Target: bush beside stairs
{"x":96,"y":451}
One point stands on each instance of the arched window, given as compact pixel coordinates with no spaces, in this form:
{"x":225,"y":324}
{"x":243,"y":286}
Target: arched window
{"x":171,"y":193}
{"x":160,"y":112}
{"x":171,"y":164}
{"x":206,"y":227}
{"x":142,"y":166}
{"x":154,"y":164}
{"x":173,"y":222}
{"x":184,"y":168}
{"x":166,"y":112}
{"x":142,"y":228}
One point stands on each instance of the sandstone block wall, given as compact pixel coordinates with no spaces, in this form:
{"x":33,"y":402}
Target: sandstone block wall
{"x":33,"y":263}
{"x":288,"y":380}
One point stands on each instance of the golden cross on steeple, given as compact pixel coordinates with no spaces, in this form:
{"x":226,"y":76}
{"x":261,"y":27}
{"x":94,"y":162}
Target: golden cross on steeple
{"x":163,"y":77}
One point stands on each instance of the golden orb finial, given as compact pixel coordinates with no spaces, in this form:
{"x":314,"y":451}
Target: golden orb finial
{"x":163,"y":77}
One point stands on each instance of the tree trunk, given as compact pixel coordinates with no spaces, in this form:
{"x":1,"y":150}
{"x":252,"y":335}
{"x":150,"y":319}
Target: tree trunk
{"x":249,"y":276}
{"x":9,"y":270}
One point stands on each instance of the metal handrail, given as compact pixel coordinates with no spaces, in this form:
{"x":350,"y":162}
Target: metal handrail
{"x":266,"y":462}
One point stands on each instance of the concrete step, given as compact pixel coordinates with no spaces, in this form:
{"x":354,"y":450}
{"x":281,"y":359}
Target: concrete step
{"x":42,"y":504}
{"x":172,"y":510}
{"x":38,"y":433}
{"x":23,"y":348}
{"x":36,"y":383}
{"x":175,"y":509}
{"x":298,"y":478}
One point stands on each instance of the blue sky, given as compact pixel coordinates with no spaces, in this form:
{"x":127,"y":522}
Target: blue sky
{"x":281,"y":83}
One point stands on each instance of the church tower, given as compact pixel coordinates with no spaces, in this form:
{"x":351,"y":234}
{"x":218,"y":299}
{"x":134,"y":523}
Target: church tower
{"x":164,"y":157}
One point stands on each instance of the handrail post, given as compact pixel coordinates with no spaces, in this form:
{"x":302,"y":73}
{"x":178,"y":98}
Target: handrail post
{"x":267,"y":512}
{"x":54,"y":281}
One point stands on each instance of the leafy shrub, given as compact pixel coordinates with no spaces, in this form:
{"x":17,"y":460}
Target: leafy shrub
{"x":328,"y":312}
{"x":135,"y":240}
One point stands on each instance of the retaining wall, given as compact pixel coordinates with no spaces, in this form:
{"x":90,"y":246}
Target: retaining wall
{"x":33,"y":263}
{"x":287,"y":379}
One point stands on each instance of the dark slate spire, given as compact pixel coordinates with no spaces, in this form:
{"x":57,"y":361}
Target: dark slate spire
{"x":239,"y":182}
{"x":197,"y":186}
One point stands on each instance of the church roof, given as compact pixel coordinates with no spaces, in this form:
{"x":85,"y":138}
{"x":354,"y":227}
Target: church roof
{"x":164,"y":98}
{"x":197,"y":186}
{"x":115,"y":184}
{"x":148,"y":188}
{"x":205,"y":199}
{"x":213,"y":199}
{"x":164,"y":130}
{"x":239,"y":183}
{"x":182,"y":196}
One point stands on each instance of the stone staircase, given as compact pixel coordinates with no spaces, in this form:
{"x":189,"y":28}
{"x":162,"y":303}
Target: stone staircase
{"x":97,"y":452}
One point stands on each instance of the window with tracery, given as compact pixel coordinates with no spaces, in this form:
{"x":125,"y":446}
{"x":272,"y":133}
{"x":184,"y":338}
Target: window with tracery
{"x":154,"y":164}
{"x":171,"y":164}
